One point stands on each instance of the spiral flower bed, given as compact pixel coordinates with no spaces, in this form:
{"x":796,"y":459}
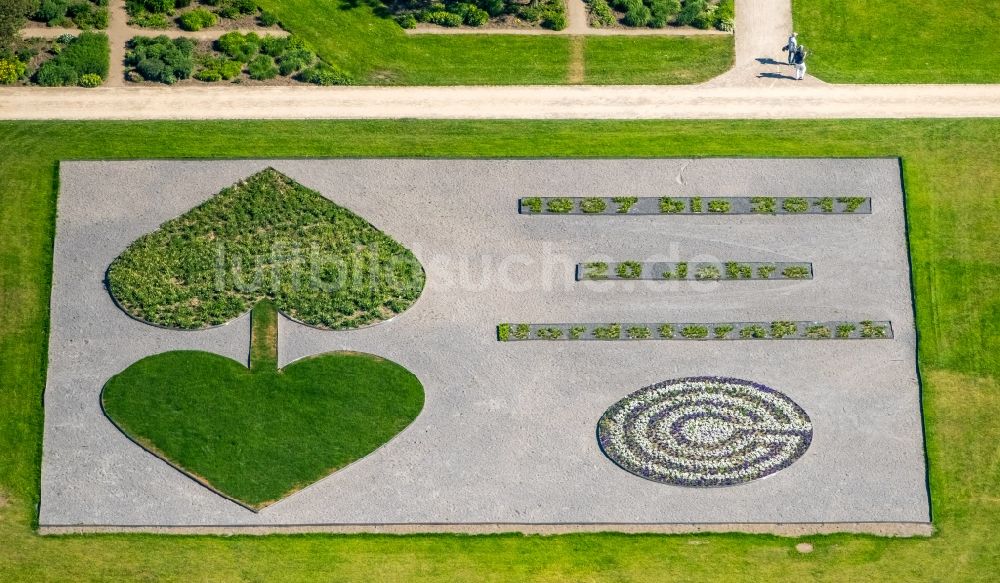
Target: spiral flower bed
{"x":704,"y":432}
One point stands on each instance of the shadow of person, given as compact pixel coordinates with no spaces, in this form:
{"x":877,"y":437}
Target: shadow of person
{"x":774,"y":76}
{"x":769,"y":61}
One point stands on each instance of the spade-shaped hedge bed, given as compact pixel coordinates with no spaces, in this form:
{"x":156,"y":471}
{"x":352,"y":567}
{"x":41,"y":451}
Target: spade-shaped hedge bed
{"x":266,"y":237}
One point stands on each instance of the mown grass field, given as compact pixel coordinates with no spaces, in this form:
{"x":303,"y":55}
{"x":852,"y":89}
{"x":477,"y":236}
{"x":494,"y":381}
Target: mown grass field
{"x":375,"y":50}
{"x":952,"y":177}
{"x":900,"y":41}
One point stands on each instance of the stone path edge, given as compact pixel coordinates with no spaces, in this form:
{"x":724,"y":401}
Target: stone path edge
{"x":885,"y":529}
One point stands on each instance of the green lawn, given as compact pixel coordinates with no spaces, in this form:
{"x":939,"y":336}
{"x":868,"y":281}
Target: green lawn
{"x":259,"y":434}
{"x":900,"y":41}
{"x":952,"y":174}
{"x":375,"y":50}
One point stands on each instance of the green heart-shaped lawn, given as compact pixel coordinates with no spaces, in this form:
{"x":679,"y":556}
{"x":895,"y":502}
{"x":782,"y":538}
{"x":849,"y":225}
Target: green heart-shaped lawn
{"x":257,"y":435}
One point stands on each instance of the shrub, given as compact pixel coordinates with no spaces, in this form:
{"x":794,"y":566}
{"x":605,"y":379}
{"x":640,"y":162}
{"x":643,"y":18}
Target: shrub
{"x":796,"y":272}
{"x":576,"y":332}
{"x":208,"y":75}
{"x":270,"y":19}
{"x":476,"y":16}
{"x":795,"y":204}
{"x":10,"y":71}
{"x":852,"y":203}
{"x":671,"y":206}
{"x":593,"y":205}
{"x":244,"y":6}
{"x":161,"y":59}
{"x":844,"y":330}
{"x":638,"y":332}
{"x":753,"y":331}
{"x":88,"y":53}
{"x":521,"y":331}
{"x":554,"y":20}
{"x":559,"y":205}
{"x":722,"y":331}
{"x":637,"y":16}
{"x":595,"y":270}
{"x":725,"y":15}
{"x":407,"y":20}
{"x":765,"y":271}
{"x":90,"y":80}
{"x":241,"y":47}
{"x":218,"y":69}
{"x":691,"y":13}
{"x":154,"y":6}
{"x":666,"y":331}
{"x":719,"y":206}
{"x":548,"y":333}
{"x":782,"y":328}
{"x":735,"y":270}
{"x":494,"y":7}
{"x":870,"y":330}
{"x":695,"y":331}
{"x":324,"y":74}
{"x":680,"y":271}
{"x":443,"y":18}
{"x":532,"y":203}
{"x":825,"y":204}
{"x":503,"y":332}
{"x":262,"y":68}
{"x":609,"y":332}
{"x":54,"y":73}
{"x":625,"y":203}
{"x":295,"y":60}
{"x":695,"y":203}
{"x":629,"y":270}
{"x":600,"y":13}
{"x":818,"y":331}
{"x":707,"y":272}
{"x":763,"y":204}
{"x":662,"y":11}
{"x":51,"y":10}
{"x":197,"y":19}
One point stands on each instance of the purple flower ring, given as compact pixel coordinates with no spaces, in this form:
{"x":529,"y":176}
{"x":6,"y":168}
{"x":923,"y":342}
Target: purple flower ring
{"x":704,"y":432}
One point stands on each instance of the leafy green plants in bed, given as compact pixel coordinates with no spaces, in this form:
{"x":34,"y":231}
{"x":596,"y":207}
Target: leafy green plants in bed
{"x":261,"y":433}
{"x":266,"y":237}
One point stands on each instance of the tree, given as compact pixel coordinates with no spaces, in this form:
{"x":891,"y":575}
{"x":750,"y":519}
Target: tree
{"x":13,"y":14}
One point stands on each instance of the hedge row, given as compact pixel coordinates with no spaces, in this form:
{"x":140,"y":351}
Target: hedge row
{"x":695,"y":205}
{"x":549,"y":14}
{"x":701,"y":271}
{"x":775,"y":330}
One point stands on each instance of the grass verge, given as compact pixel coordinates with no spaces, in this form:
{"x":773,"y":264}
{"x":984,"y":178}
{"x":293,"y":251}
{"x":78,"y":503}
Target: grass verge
{"x":375,"y":50}
{"x":902,"y":41}
{"x":950,"y":169}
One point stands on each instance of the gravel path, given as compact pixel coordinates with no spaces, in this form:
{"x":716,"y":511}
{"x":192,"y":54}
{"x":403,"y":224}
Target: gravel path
{"x":507,"y":435}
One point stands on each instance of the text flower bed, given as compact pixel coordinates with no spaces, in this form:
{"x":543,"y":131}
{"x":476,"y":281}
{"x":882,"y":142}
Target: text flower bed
{"x":695,"y":205}
{"x":704,"y":431}
{"x":774,"y":330}
{"x":702,"y":270}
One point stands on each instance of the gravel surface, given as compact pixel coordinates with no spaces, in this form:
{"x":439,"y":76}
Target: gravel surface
{"x":507,"y":434}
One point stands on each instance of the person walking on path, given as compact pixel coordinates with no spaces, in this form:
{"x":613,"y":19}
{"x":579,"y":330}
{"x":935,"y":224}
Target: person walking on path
{"x":800,"y":62}
{"x":792,"y":46}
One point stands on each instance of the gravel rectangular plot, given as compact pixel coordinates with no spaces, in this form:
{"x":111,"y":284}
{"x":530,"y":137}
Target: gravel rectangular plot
{"x":507,"y":437}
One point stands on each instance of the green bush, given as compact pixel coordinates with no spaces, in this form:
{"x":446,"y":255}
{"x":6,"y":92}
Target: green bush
{"x":719,"y":206}
{"x":638,"y":332}
{"x":795,"y":204}
{"x":725,"y":15}
{"x":763,"y":204}
{"x":695,"y":331}
{"x":262,"y":68}
{"x":270,"y":19}
{"x":54,"y":73}
{"x":638,"y":16}
{"x":671,"y":206}
{"x":818,"y":331}
{"x":10,"y":71}
{"x":593,"y":205}
{"x":722,"y":331}
{"x":324,"y":74}
{"x":782,"y":328}
{"x":548,"y":333}
{"x":765,"y":271}
{"x":241,"y":47}
{"x":560,"y":205}
{"x":844,"y":330}
{"x":576,"y":332}
{"x":443,"y":18}
{"x":51,"y":10}
{"x":625,"y":203}
{"x":852,"y":203}
{"x":476,"y":16}
{"x":707,"y":272}
{"x":295,"y":60}
{"x":161,"y":59}
{"x":600,"y":13}
{"x":595,"y":270}
{"x":662,"y":11}
{"x":197,"y":19}
{"x":753,"y":331}
{"x":629,"y":270}
{"x":218,"y":69}
{"x":407,"y":20}
{"x":90,"y":80}
{"x":532,"y":203}
{"x":692,"y":14}
{"x":554,"y":20}
{"x":666,"y":331}
{"x":796,"y":272}
{"x":609,"y":332}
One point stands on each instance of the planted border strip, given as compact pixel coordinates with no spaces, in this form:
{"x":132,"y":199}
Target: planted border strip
{"x":772,"y":330}
{"x":692,"y":271}
{"x":695,"y":205}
